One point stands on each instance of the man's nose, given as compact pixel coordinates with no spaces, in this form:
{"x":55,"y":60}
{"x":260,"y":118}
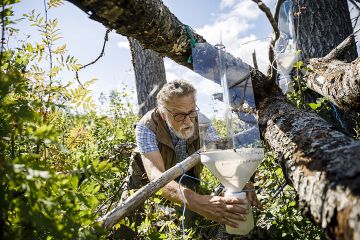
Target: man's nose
{"x":187,"y":119}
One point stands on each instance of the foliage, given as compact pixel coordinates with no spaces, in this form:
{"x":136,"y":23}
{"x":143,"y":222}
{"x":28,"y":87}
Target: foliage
{"x":306,"y":99}
{"x":55,"y":172}
{"x":220,"y":127}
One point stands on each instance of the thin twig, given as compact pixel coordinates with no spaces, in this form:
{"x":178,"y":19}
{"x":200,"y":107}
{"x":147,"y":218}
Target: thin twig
{"x":355,"y":5}
{"x":276,"y":34}
{"x":269,"y":15}
{"x":341,"y":48}
{"x":358,"y":8}
{"x":356,"y":21}
{"x":111,"y":199}
{"x":255,"y":40}
{"x":277,"y":10}
{"x":106,"y":38}
{"x":254,"y":60}
{"x":48,"y":44}
{"x":2,"y":31}
{"x":280,"y":189}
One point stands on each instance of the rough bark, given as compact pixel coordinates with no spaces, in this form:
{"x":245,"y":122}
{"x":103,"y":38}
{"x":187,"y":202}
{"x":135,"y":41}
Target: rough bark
{"x":323,"y":164}
{"x":337,"y":80}
{"x":149,"y":75}
{"x":322,"y":25}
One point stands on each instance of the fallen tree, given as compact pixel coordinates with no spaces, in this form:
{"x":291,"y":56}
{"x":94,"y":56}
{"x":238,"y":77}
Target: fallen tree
{"x":323,"y":164}
{"x":337,"y":80}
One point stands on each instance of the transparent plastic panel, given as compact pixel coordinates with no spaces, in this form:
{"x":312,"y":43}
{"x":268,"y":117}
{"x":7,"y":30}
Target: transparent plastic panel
{"x":285,"y":47}
{"x":233,"y":107}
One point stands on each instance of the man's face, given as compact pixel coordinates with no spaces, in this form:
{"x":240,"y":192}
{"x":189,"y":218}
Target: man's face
{"x":181,"y":105}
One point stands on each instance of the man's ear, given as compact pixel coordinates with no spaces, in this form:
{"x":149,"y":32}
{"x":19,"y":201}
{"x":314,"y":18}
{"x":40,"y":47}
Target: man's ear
{"x":162,"y":114}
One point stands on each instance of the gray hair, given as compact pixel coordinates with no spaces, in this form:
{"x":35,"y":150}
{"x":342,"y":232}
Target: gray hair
{"x":176,"y":88}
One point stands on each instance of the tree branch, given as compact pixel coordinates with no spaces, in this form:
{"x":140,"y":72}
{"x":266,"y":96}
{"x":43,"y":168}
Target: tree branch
{"x":254,"y":60}
{"x":341,"y":48}
{"x":269,"y":15}
{"x":355,"y":5}
{"x":337,"y":80}
{"x":277,"y":10}
{"x":102,"y":53}
{"x":276,"y":34}
{"x":2,"y":32}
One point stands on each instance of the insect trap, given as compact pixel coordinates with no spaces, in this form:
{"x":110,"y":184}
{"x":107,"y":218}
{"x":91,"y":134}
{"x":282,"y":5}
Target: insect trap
{"x":285,"y":47}
{"x":229,"y":133}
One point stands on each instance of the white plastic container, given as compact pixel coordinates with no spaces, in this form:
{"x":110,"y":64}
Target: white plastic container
{"x":244,"y":226}
{"x":233,"y":169}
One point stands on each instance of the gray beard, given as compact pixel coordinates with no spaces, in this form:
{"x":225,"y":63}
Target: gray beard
{"x":188,"y":134}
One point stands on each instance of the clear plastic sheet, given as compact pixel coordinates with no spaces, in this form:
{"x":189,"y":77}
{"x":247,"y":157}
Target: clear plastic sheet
{"x":244,"y":125}
{"x":285,"y":48}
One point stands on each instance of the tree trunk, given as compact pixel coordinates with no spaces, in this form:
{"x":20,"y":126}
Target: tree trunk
{"x":323,"y":24}
{"x":149,"y":75}
{"x":323,"y":164}
{"x":320,"y":27}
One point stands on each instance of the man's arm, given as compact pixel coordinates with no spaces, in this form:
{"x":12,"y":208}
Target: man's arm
{"x":226,"y":210}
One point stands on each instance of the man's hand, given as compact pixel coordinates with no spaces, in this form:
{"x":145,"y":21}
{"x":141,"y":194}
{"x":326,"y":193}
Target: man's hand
{"x":251,"y":195}
{"x":227,"y":210}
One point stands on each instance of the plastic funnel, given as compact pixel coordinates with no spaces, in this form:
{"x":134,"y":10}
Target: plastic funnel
{"x":233,"y":168}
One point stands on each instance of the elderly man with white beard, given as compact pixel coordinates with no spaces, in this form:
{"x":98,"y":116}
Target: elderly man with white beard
{"x":167,"y":135}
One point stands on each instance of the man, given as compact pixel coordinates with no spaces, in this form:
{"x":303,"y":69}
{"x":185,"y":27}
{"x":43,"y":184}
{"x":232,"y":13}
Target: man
{"x":167,"y":135}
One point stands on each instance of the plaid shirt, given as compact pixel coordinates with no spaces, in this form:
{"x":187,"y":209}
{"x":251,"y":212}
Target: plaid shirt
{"x":146,"y":141}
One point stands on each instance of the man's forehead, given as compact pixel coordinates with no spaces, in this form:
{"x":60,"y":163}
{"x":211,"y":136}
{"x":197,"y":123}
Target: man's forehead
{"x":184,"y":103}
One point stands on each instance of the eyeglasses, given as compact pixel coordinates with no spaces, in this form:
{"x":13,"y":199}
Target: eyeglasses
{"x":182,"y":116}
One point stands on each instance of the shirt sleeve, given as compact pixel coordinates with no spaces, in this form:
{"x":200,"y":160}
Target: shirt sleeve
{"x":145,"y":139}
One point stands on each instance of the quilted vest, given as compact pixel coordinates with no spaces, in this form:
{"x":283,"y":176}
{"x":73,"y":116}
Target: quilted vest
{"x":157,"y":124}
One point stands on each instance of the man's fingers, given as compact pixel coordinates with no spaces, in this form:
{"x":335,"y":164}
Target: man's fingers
{"x":238,"y":209}
{"x":235,"y":200}
{"x":256,"y":203}
{"x":231,"y":223}
{"x":251,"y":196}
{"x":235,"y":216}
{"x":253,"y":200}
{"x":233,"y":219}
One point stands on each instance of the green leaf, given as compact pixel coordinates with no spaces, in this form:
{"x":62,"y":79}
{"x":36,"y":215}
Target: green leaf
{"x":74,"y":182}
{"x":279,"y":172}
{"x":298,"y":65}
{"x":103,"y":166}
{"x":95,"y":189}
{"x":314,"y":106}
